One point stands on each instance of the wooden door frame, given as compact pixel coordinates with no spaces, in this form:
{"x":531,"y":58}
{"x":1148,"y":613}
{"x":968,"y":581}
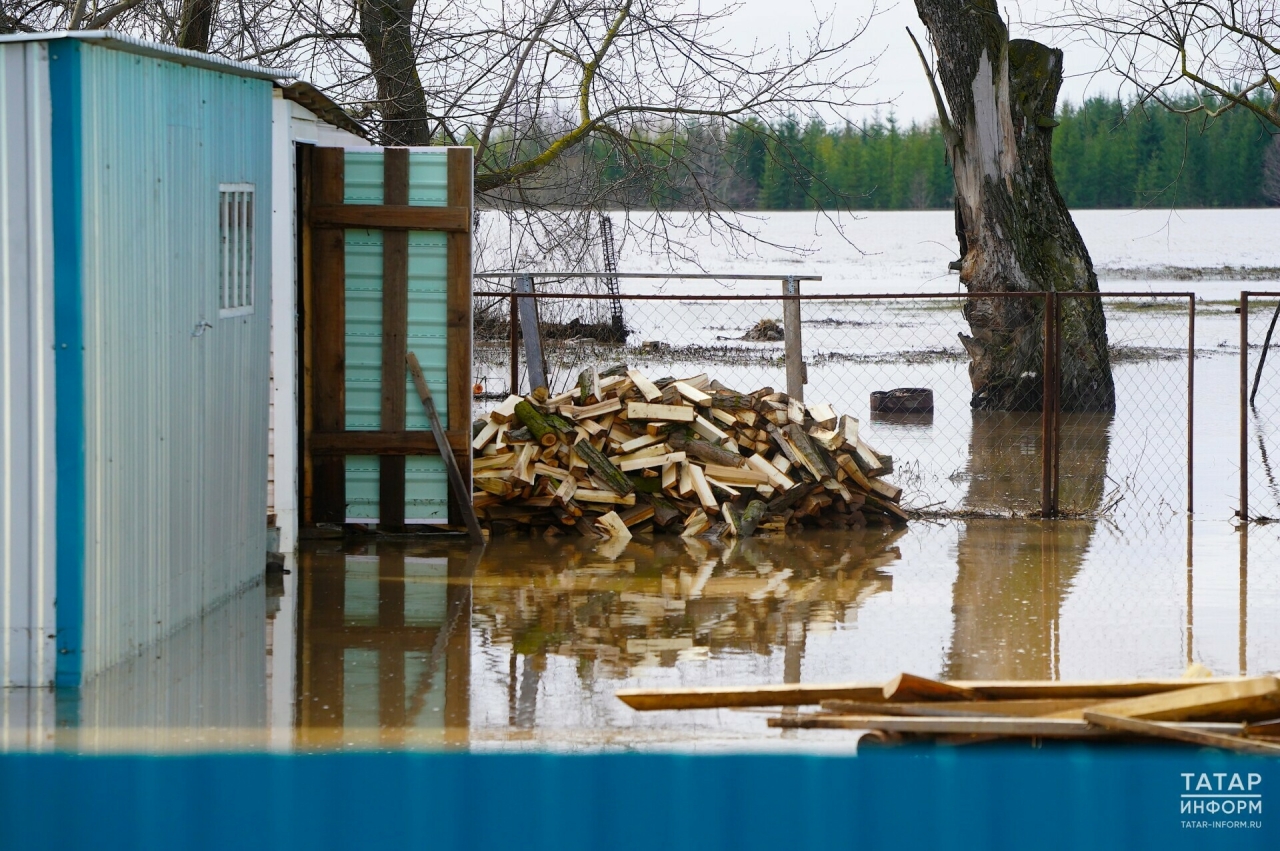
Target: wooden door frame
{"x":325,"y":440}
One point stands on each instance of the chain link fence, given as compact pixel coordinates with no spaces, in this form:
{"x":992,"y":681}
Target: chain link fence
{"x":1260,"y":406}
{"x":953,"y":459}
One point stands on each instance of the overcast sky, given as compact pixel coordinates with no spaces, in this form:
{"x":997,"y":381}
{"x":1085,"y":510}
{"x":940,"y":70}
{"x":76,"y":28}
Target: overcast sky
{"x":900,"y":77}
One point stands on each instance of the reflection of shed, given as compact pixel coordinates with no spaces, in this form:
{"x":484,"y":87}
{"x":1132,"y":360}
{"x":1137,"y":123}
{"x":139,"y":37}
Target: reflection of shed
{"x":135,"y":260}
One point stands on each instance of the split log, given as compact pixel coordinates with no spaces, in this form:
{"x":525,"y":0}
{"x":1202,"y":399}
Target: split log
{"x":537,"y":424}
{"x":708,"y":452}
{"x":808,"y":453}
{"x":604,"y":468}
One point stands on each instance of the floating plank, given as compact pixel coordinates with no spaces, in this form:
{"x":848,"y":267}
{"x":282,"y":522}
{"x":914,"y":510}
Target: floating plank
{"x":1038,"y":728}
{"x":1253,"y":699}
{"x":666,"y":413}
{"x":1195,"y":733}
{"x":1067,"y":707}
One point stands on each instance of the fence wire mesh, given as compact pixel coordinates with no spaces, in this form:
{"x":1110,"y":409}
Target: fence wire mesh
{"x":1260,"y":377}
{"x":954,"y":460}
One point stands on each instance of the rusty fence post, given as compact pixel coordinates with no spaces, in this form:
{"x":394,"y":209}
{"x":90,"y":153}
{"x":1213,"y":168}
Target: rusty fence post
{"x":515,"y":349}
{"x":1048,"y":405}
{"x":1191,"y":401}
{"x":1243,"y":511}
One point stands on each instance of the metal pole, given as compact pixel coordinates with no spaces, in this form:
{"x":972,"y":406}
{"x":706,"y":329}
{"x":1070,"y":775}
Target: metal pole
{"x":515,"y":348}
{"x":791,"y":337}
{"x":1244,"y":406}
{"x":532,"y":335}
{"x":1191,"y":403}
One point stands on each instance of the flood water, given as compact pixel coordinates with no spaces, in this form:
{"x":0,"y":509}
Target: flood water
{"x":425,"y":643}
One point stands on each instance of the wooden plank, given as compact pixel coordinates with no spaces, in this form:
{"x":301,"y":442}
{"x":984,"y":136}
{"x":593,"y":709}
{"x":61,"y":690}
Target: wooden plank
{"x":1038,"y":728}
{"x":384,"y":443}
{"x":666,"y":413}
{"x":392,"y":217}
{"x":458,"y":301}
{"x":907,"y":687}
{"x":395,"y":330}
{"x":1191,"y":733}
{"x":328,"y":338}
{"x":306,"y":174}
{"x":804,"y":694}
{"x":459,"y":486}
{"x":1068,"y":707}
{"x":1253,"y":699}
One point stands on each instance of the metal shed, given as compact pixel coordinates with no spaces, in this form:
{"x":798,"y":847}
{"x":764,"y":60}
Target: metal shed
{"x":135,"y":261}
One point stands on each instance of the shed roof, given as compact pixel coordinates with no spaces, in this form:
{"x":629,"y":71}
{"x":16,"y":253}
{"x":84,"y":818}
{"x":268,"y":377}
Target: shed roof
{"x":131,"y":44}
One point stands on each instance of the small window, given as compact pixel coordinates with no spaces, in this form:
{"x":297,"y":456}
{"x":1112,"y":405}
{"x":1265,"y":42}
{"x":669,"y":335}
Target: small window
{"x":235,"y":227}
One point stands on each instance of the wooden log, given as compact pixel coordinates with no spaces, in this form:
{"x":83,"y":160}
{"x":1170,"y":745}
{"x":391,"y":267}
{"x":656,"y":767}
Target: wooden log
{"x":652,"y":461}
{"x":692,"y":393}
{"x":603,"y":497}
{"x":702,"y":488}
{"x":891,"y":492}
{"x":775,"y":477}
{"x":648,"y":452}
{"x":484,"y":436}
{"x":664,"y":513}
{"x":708,"y":452}
{"x":779,"y":504}
{"x":736,"y":475}
{"x":887,"y":508}
{"x":723,"y":487}
{"x":851,"y":469}
{"x":611,"y":526}
{"x":590,"y":412}
{"x":638,"y":514}
{"x":828,"y":439}
{"x":695,"y":524}
{"x":642,"y":441}
{"x":536,"y":423}
{"x":707,"y":429}
{"x":1253,"y":699}
{"x":824,"y":416}
{"x":647,"y":388}
{"x":506,"y":412}
{"x":1191,"y":733}
{"x":807,"y":452}
{"x":730,"y":401}
{"x":564,"y":493}
{"x":848,"y":429}
{"x":745,"y":524}
{"x":603,"y":467}
{"x":666,"y":413}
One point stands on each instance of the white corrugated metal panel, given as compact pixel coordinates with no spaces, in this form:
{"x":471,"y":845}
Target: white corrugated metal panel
{"x":140,"y":47}
{"x":209,"y":676}
{"x":175,"y":394}
{"x":27,"y":460}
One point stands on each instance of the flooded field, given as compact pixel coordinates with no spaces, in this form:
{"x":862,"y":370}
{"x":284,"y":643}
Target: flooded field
{"x":423,"y":643}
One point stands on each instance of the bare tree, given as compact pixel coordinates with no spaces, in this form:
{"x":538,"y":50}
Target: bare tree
{"x":584,"y":103}
{"x":1223,"y":54}
{"x":1271,"y":171}
{"x":1016,"y":234}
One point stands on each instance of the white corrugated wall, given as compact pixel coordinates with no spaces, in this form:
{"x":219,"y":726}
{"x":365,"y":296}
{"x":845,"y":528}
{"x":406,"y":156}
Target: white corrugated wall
{"x":175,"y":395}
{"x":27,"y":460}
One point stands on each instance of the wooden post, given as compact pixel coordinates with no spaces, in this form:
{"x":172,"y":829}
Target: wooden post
{"x":1191,"y":402}
{"x":328,"y":338}
{"x":395,"y":329}
{"x":791,"y":336}
{"x":532,"y":335}
{"x":458,"y":309}
{"x":514,"y":387}
{"x":1048,"y":405}
{"x":1244,"y":407}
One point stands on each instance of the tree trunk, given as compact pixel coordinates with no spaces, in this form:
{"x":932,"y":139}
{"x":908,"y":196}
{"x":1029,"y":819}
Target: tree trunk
{"x":386,"y":31}
{"x":1014,"y":228}
{"x":196,"y":24}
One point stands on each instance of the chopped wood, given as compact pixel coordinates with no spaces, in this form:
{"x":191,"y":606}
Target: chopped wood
{"x":696,"y":524}
{"x":537,"y":424}
{"x":708,"y":452}
{"x":605,"y":497}
{"x":848,"y":429}
{"x":724,"y":487}
{"x":591,"y":411}
{"x":637,"y":515}
{"x":736,"y":475}
{"x":692,"y":393}
{"x":647,"y":388}
{"x":828,"y":439}
{"x":669,"y":413}
{"x":506,"y":412}
{"x":611,"y":525}
{"x":702,"y":488}
{"x":652,"y":461}
{"x":771,"y":473}
{"x":485,"y":435}
{"x":707,"y":429}
{"x":641,"y":442}
{"x":824,"y":416}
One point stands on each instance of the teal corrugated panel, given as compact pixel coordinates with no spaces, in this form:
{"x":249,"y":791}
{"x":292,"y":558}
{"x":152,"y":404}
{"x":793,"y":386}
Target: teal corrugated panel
{"x":426,"y":488}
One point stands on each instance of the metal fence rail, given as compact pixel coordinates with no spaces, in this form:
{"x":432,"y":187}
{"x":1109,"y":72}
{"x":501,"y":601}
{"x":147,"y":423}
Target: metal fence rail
{"x":952,"y":461}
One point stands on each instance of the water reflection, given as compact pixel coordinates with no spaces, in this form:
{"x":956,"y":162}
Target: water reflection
{"x":1010,"y":588}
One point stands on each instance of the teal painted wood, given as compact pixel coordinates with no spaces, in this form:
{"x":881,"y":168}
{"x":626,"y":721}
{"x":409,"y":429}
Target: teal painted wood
{"x":175,"y":397}
{"x":426,"y":488}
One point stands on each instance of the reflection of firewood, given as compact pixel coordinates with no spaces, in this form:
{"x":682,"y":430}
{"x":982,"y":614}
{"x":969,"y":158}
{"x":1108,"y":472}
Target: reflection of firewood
{"x":702,"y":459}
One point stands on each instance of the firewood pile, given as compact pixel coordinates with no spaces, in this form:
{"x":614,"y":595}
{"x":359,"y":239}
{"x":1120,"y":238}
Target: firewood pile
{"x":1239,"y":714}
{"x":621,"y":454}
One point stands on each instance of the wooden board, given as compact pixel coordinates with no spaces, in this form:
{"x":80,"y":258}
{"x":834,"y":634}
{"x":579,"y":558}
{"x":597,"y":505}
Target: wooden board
{"x":1064,"y":707}
{"x":1253,"y":699}
{"x":392,"y":217}
{"x":328,"y":337}
{"x":458,"y":316}
{"x":906,"y":687}
{"x":395,"y":330}
{"x":1038,"y":728}
{"x":1192,"y":733}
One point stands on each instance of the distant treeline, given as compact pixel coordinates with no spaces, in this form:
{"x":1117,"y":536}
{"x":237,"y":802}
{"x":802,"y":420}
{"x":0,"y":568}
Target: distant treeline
{"x":1105,"y":155}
